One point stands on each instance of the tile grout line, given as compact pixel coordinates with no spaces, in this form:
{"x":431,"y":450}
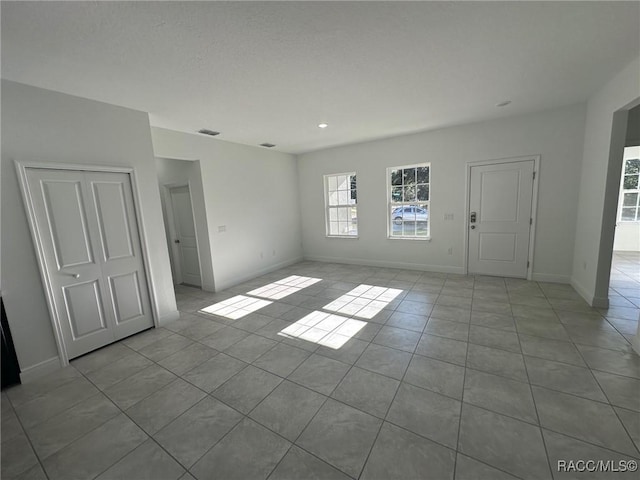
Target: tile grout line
{"x":149,"y":436}
{"x":247,"y":416}
{"x":351,"y":365}
{"x":428,"y":317}
{"x":460,"y":422}
{"x":394,"y":397}
{"x":121,"y":412}
{"x":40,"y":461}
{"x":400,"y":350}
{"x":464,"y":381}
{"x":535,"y":406}
{"x":375,"y":440}
{"x":268,"y":428}
{"x":612,"y":406}
{"x":334,"y":399}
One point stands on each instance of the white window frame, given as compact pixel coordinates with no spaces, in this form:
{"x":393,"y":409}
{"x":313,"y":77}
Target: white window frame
{"x":621,"y":205}
{"x":327,"y":207}
{"x":392,"y":204}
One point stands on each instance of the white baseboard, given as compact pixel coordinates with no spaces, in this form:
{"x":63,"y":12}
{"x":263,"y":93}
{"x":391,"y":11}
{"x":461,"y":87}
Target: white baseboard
{"x":39,"y":370}
{"x":168,"y":317}
{"x":597,"y":302}
{"x":382,"y":263}
{"x":249,"y":276}
{"x":581,"y":290}
{"x":550,"y":278}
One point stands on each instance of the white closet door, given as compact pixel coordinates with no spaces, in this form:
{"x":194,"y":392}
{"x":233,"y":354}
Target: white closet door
{"x":120,"y":252}
{"x":87,"y":228}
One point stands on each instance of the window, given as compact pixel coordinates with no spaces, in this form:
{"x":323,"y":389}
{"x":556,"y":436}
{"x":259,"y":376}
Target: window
{"x":408,"y":193}
{"x":630,"y":208}
{"x":341,"y":199}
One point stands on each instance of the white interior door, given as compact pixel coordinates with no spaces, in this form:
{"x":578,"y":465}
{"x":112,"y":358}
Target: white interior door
{"x":87,"y":227}
{"x":185,"y":233}
{"x":500,"y":200}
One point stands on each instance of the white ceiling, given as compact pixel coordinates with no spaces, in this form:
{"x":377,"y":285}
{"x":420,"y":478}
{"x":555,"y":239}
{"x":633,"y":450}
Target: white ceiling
{"x":271,"y":71}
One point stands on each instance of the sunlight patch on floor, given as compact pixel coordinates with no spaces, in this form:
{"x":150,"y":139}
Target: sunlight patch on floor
{"x":236,"y":307}
{"x":325,"y":329}
{"x":364,"y":301}
{"x":284,"y":287}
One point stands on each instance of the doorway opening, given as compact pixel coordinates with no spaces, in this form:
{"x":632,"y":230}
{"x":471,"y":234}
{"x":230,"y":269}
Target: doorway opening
{"x":624,"y":282}
{"x":617,"y":289}
{"x":181,"y":186}
{"x":185,"y":258}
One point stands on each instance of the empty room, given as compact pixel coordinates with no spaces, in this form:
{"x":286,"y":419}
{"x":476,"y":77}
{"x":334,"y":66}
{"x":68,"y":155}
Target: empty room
{"x":320,"y":240}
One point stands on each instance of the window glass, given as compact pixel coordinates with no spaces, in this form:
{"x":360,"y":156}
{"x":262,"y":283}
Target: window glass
{"x":408,"y":193}
{"x":630,"y":182}
{"x":630,"y":197}
{"x":341,"y":205}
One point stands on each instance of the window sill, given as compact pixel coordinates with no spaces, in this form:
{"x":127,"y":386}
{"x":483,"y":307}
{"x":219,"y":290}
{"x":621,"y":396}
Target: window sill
{"x":352,"y":237}
{"x":419,"y":239}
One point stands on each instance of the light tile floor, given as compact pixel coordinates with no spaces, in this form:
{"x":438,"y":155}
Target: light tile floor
{"x":457,"y":377}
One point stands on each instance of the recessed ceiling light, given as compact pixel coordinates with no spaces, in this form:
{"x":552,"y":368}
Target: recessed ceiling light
{"x":206,"y":131}
{"x":267,"y":145}
{"x":323,"y":125}
{"x":503,"y":104}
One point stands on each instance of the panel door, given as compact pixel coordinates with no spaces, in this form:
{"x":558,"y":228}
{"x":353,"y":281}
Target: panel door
{"x":72,"y":258}
{"x":92,"y":295}
{"x":185,"y":236}
{"x":120,"y":251}
{"x":500,"y":200}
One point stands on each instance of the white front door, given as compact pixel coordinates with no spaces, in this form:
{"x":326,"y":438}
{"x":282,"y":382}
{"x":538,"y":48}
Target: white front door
{"x":87,"y":227}
{"x":185,"y":233}
{"x":499,"y":223}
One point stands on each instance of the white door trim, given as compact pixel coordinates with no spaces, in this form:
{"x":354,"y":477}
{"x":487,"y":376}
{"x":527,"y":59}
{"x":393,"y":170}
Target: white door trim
{"x":534,"y":204}
{"x":36,"y":235}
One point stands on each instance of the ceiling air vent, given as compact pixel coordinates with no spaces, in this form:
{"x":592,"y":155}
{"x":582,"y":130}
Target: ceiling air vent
{"x":268,"y":145}
{"x":206,"y":131}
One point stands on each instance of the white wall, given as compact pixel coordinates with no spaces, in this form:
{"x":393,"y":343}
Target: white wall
{"x":44,"y":126}
{"x":633,"y":128}
{"x":627,"y":237}
{"x":184,"y":172}
{"x":556,"y":135}
{"x":600,"y":172}
{"x":251,"y":192}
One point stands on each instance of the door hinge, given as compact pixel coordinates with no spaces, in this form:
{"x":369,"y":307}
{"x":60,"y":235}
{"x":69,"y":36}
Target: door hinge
{"x":527,"y":263}
{"x":531,"y":221}
{"x":534,"y":175}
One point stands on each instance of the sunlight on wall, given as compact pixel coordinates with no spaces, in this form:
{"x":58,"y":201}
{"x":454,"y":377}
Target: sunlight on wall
{"x":364,"y":301}
{"x":284,"y":287}
{"x":326,"y":329}
{"x":236,"y":307}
